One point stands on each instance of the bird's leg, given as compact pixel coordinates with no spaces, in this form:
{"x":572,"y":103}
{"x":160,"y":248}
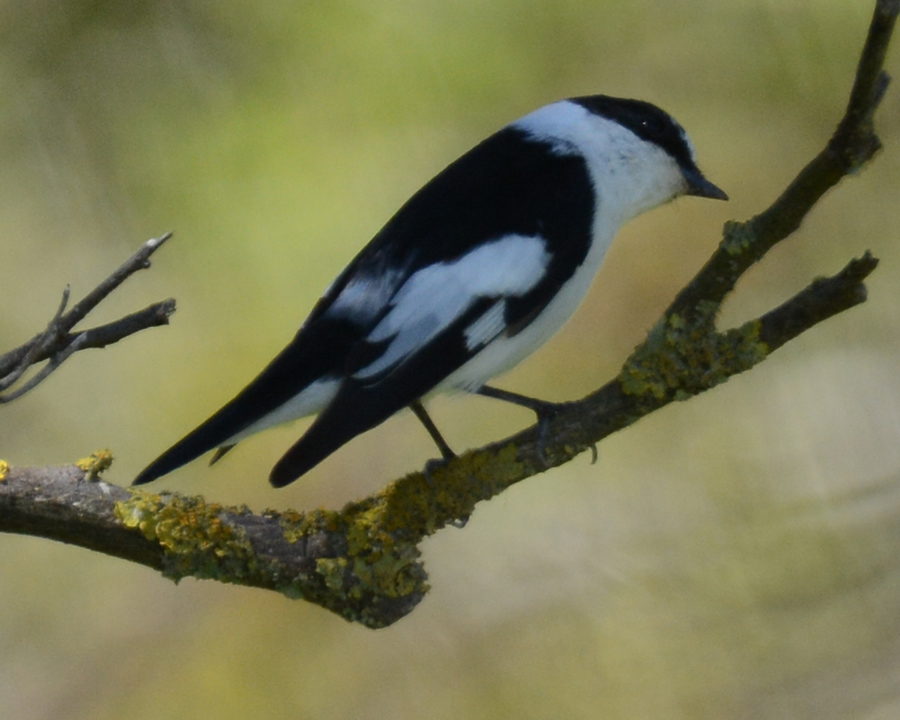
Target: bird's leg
{"x":542,"y":408}
{"x":424,"y":418}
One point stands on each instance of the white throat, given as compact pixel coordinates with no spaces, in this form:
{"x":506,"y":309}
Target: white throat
{"x":631,"y":175}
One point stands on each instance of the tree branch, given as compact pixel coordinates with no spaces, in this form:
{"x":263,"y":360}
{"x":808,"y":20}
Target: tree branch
{"x":56,"y":344}
{"x":362,"y":562}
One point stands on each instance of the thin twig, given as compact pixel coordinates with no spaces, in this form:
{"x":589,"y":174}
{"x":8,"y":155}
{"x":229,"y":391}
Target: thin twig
{"x":38,"y":346}
{"x":139,"y":261}
{"x":152,"y":316}
{"x":57,"y":343}
{"x":45,"y":372}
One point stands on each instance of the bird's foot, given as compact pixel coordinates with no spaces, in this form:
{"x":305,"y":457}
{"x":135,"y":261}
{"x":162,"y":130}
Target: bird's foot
{"x":431,"y":466}
{"x":544,"y":410}
{"x":545,"y":414}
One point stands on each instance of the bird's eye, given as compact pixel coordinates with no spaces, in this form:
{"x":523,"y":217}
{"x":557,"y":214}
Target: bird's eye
{"x":654,"y":127}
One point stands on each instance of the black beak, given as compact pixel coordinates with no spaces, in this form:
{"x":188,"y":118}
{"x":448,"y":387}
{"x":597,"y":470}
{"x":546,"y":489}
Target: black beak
{"x":699,"y":186}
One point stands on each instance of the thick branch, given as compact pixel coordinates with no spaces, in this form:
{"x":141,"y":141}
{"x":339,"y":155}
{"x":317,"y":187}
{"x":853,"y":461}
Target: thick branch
{"x":298,"y":555}
{"x":362,"y":562}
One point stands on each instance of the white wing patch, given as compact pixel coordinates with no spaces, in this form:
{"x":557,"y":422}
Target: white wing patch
{"x":364,"y":297}
{"x":436,"y":296}
{"x":486,"y":327}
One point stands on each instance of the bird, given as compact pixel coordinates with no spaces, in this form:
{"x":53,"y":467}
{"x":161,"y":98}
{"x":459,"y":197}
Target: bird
{"x":478,"y":269}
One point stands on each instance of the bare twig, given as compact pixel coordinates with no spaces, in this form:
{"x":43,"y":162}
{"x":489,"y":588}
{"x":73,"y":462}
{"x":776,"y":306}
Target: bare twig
{"x":139,"y":261}
{"x":56,"y":344}
{"x":55,"y":361}
{"x":363,"y":561}
{"x":38,"y":347}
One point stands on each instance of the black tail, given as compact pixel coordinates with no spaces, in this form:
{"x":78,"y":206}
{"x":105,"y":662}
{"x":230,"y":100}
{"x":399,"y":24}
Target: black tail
{"x":352,"y":412}
{"x":213,"y":433}
{"x":286,"y":376}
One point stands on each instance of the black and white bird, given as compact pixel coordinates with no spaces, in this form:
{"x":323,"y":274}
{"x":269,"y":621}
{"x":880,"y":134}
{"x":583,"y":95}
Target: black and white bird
{"x":473,"y":274}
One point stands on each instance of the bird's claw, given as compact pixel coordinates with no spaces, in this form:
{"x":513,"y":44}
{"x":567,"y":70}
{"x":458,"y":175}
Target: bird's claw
{"x":431,"y":466}
{"x":545,"y":412}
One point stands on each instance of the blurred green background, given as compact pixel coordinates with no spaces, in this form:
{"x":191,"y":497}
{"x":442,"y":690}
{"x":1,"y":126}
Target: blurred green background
{"x":736,"y":556}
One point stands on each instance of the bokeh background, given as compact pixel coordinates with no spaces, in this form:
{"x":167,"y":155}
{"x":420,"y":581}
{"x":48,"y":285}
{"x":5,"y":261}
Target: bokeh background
{"x":736,"y":556}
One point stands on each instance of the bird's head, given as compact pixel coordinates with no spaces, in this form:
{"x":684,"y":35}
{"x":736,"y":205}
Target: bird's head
{"x":637,"y":155}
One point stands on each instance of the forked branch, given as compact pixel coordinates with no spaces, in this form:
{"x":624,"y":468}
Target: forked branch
{"x":57,"y":343}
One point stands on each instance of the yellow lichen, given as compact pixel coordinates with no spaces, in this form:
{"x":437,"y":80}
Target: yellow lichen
{"x":389,"y":573}
{"x":737,"y":237}
{"x":332,"y":570}
{"x":679,"y":360}
{"x":4,"y":469}
{"x":193,"y":534}
{"x":96,"y":463}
